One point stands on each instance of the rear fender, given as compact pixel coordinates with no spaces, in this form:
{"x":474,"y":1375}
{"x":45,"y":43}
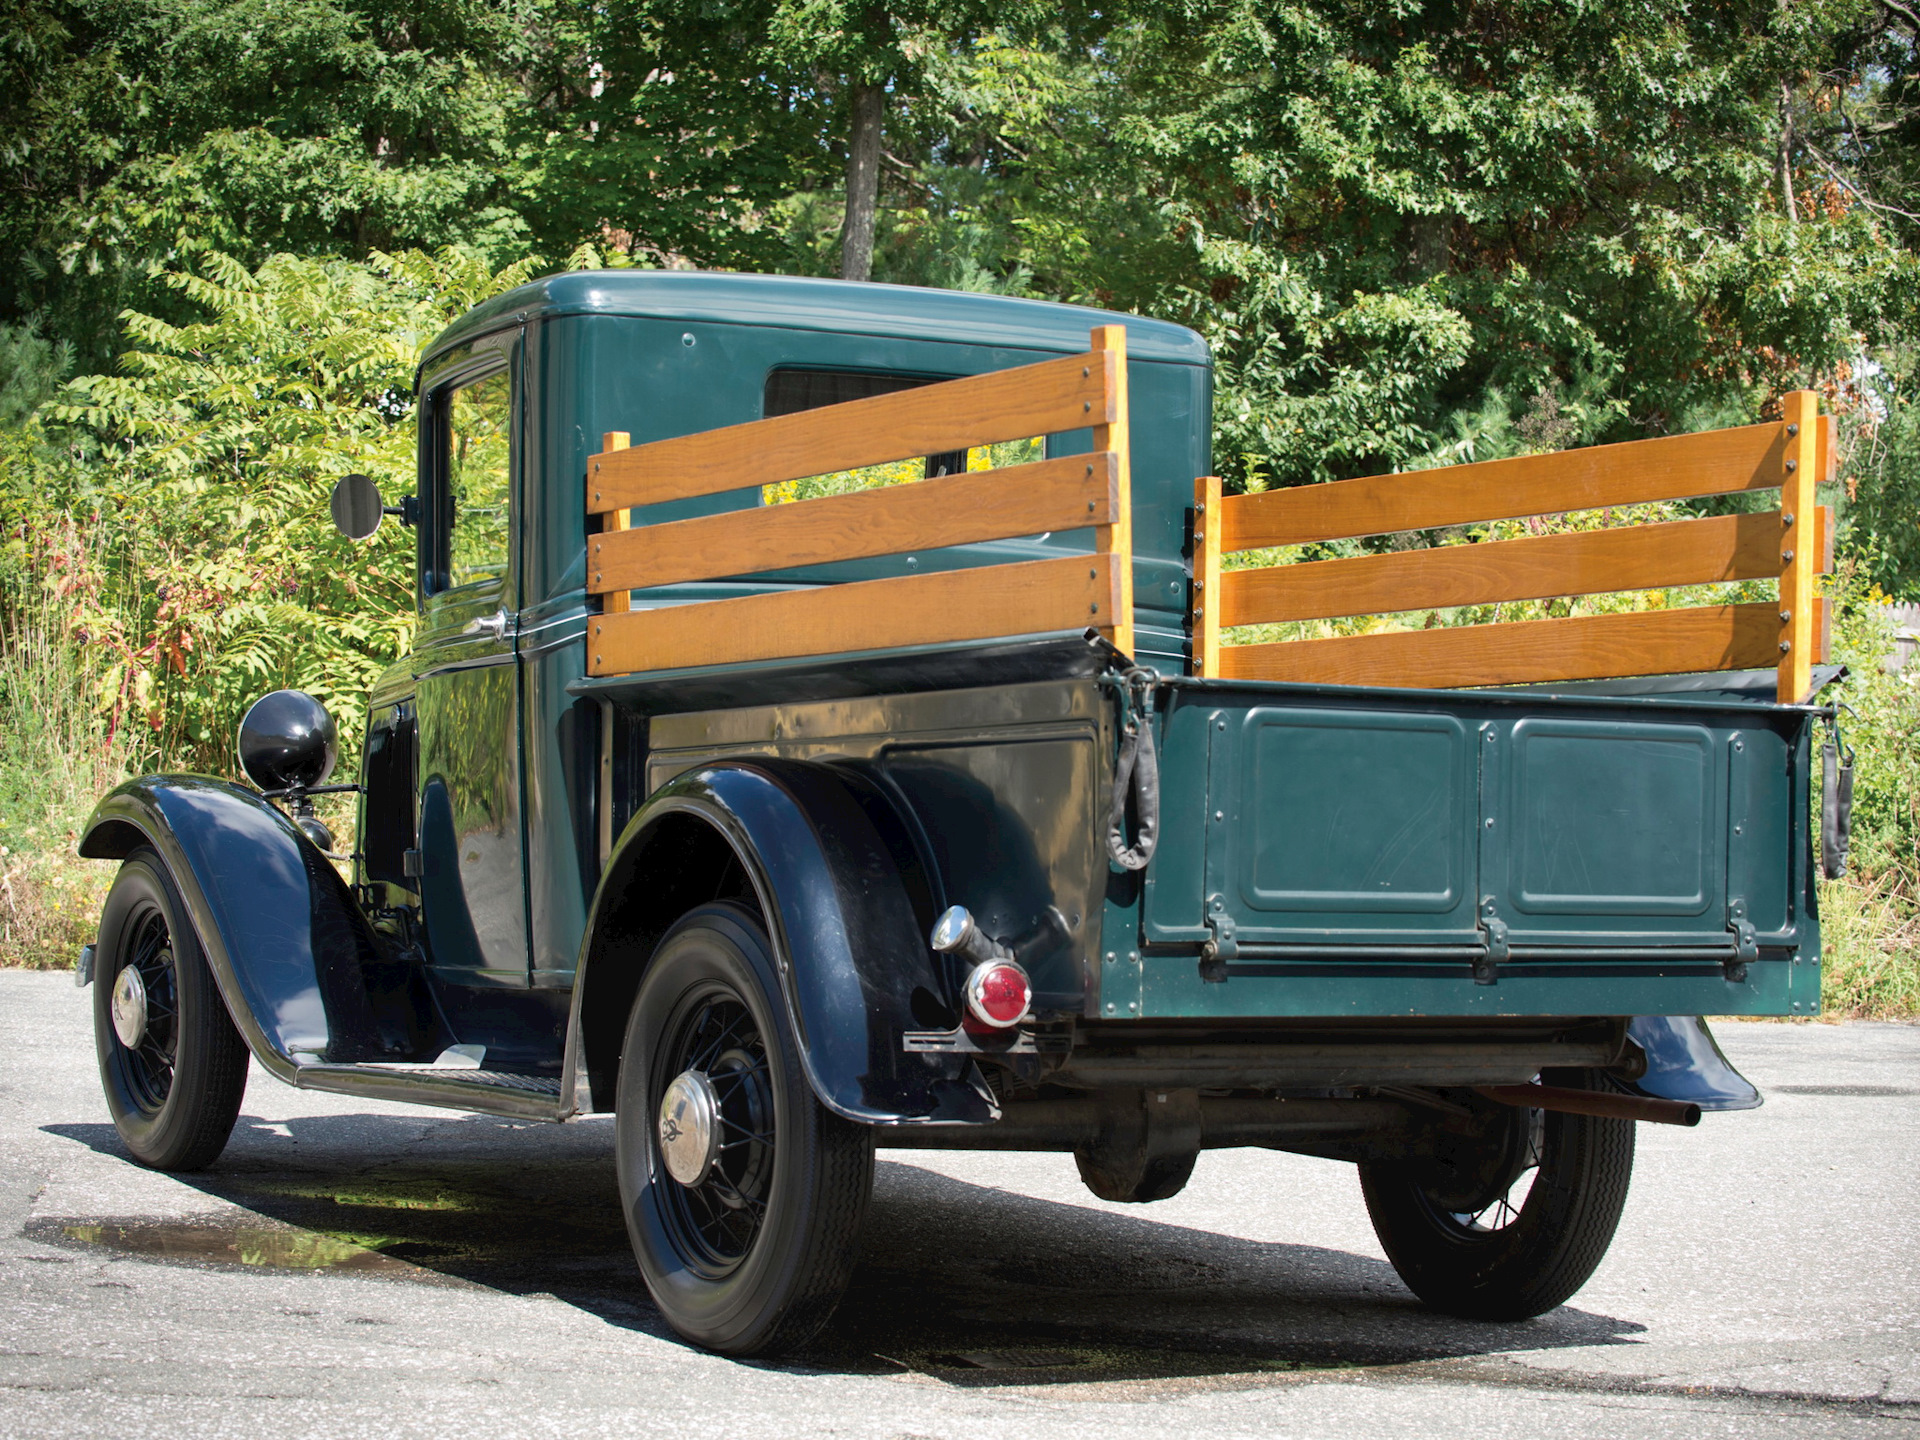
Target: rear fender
{"x":1684,"y":1063}
{"x":836,"y":897}
{"x":303,"y":973}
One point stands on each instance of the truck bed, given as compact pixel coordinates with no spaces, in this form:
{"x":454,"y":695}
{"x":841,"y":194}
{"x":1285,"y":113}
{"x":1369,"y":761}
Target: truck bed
{"x":1331,"y":851}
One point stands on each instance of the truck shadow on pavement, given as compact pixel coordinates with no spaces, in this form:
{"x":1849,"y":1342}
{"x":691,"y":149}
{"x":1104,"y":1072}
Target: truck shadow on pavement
{"x":974,"y":1285}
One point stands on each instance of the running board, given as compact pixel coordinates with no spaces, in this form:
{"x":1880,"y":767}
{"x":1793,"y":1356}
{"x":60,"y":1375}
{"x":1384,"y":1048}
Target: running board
{"x":485,"y":1092}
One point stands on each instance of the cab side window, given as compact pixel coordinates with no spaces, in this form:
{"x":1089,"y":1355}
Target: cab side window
{"x":478,"y":459}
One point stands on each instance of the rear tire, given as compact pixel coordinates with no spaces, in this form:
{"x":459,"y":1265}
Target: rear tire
{"x":1529,"y":1249}
{"x":175,"y":1081}
{"x":752,"y":1256}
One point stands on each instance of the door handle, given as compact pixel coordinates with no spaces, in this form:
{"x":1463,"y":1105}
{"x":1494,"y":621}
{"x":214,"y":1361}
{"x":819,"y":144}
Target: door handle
{"x":495,"y":626}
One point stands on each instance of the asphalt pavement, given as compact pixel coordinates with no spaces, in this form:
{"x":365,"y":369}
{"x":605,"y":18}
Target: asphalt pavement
{"x":355,"y":1269}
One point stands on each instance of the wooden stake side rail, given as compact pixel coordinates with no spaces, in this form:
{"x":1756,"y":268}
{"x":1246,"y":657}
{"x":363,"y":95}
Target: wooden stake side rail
{"x":985,"y":602}
{"x":1793,"y":544}
{"x":988,"y":602}
{"x":1636,"y":557}
{"x":1635,"y":472}
{"x":1071,"y":393}
{"x":1068,"y":493}
{"x":1527,"y":652}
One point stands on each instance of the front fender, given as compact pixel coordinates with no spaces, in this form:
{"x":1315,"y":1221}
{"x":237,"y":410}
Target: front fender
{"x":850,"y":950}
{"x":303,"y":974}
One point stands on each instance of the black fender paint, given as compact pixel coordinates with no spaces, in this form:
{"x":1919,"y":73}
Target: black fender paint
{"x":301,"y":970}
{"x":849,"y":947}
{"x":1684,"y":1063}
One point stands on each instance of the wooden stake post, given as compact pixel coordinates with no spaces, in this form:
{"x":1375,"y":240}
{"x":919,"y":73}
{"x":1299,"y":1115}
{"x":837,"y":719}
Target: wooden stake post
{"x":1799,"y":646}
{"x":615,"y":602}
{"x":1117,"y":539}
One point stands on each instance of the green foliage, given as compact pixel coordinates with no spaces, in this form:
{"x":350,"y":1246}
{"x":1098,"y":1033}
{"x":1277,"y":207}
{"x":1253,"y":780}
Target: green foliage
{"x":59,"y":756}
{"x":1435,"y":231}
{"x":194,"y":548}
{"x":1883,"y":727}
{"x":1871,"y":921}
{"x":1881,"y":507}
{"x":31,"y":369}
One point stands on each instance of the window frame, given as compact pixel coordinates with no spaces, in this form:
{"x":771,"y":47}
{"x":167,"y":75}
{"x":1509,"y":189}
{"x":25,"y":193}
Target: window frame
{"x":468,"y":366}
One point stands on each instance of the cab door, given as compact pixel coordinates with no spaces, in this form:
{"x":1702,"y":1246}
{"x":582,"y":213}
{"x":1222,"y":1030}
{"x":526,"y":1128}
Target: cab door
{"x":467,"y":696}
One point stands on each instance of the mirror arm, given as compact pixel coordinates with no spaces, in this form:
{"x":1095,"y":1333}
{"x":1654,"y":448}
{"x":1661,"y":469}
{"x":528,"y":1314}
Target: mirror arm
{"x":407,"y":512}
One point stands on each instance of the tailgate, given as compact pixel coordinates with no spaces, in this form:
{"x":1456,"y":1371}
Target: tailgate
{"x":1391,"y":851}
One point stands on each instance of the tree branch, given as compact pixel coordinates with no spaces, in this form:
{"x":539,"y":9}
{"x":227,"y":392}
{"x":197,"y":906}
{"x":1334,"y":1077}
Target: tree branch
{"x":1854,"y":190}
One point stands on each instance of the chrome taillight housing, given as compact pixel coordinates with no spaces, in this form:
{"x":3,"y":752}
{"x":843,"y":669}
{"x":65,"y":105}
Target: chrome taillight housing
{"x":998,"y":994}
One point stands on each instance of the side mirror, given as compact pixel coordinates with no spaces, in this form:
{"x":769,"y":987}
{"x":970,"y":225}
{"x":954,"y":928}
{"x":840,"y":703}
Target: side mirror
{"x":357,"y":507}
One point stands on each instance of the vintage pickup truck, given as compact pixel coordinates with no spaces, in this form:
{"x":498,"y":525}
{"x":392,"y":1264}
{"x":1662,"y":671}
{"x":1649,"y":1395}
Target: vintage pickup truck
{"x":785,"y":813}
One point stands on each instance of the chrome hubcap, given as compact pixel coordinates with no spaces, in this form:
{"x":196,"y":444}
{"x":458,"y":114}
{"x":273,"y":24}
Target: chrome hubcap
{"x":129,"y":1007}
{"x":689,"y":1127}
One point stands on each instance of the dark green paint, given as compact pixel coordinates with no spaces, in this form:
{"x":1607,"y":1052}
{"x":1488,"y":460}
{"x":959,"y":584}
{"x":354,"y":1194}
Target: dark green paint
{"x":1324,"y":818}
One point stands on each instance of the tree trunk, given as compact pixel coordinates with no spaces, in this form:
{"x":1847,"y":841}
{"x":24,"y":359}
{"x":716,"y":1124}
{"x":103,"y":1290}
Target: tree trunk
{"x":1786,"y":151}
{"x":1429,"y":245}
{"x":863,"y":183}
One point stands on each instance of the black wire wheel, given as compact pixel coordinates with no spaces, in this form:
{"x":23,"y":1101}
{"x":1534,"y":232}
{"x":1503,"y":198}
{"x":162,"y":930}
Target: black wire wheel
{"x":1520,"y":1235}
{"x":173,"y":1067}
{"x":743,"y":1194}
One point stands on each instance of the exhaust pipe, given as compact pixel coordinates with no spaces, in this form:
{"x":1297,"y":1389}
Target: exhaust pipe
{"x":1604,"y":1103}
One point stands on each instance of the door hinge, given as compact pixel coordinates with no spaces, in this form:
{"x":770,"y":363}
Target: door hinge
{"x":1493,"y":933}
{"x":1220,"y":947}
{"x":1745,"y":946}
{"x":410,"y":865}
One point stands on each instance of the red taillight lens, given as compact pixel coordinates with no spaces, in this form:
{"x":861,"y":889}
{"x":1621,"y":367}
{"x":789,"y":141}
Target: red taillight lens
{"x":998,"y":994}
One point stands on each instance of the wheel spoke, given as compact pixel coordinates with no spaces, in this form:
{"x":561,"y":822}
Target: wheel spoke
{"x":715,"y":1223}
{"x":728,"y":1188}
{"x":746,"y":1131}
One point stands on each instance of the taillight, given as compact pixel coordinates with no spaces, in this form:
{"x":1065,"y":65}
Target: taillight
{"x":997,"y":991}
{"x":998,"y":994}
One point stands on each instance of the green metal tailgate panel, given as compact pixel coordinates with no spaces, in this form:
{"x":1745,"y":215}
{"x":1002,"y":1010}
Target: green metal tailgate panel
{"x":1362,"y":852}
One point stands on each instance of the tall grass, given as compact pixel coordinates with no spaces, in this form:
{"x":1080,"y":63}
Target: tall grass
{"x":1870,"y":932}
{"x":57,"y":757}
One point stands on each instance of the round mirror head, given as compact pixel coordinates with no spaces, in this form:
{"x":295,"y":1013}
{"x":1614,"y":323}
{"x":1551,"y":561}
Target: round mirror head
{"x":357,"y":507}
{"x":288,"y":741}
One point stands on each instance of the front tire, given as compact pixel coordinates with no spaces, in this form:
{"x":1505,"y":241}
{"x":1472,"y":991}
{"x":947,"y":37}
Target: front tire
{"x":1528,"y":1248}
{"x":173,"y":1067}
{"x":748,"y":1251}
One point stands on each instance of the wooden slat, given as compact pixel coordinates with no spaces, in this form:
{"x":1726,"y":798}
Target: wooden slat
{"x":985,"y":603}
{"x":1797,"y":539}
{"x":1584,"y":647}
{"x":1206,"y":575}
{"x":1062,"y":494}
{"x":1110,"y":344}
{"x":615,"y":520}
{"x":1070,"y":393}
{"x":1671,"y":468}
{"x":1633,"y":557}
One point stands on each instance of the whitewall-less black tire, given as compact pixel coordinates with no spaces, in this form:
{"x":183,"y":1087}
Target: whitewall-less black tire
{"x":173,"y":1067}
{"x":750,"y":1251}
{"x":1525,"y":1251}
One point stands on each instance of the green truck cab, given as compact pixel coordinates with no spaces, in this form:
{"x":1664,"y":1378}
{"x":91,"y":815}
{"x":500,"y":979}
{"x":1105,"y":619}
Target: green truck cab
{"x":824,"y":733}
